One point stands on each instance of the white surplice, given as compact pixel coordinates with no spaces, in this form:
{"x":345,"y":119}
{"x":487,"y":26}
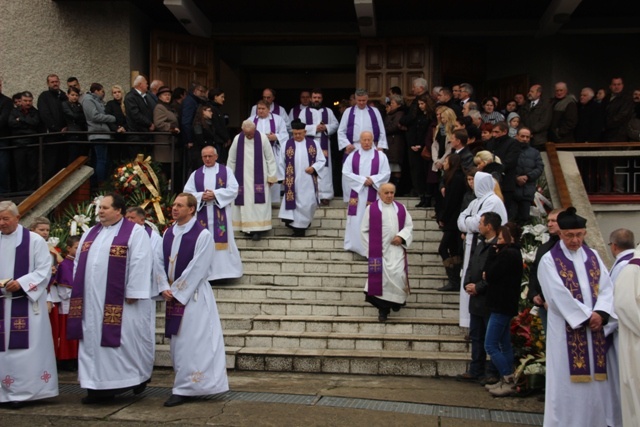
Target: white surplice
{"x":277,"y":110}
{"x":264,"y":126}
{"x":251,"y":216}
{"x":197,"y":351}
{"x":227,"y":263}
{"x":28,"y":374}
{"x":352,"y":238}
{"x":304,"y":188}
{"x":325,"y":176}
{"x":568,"y":403}
{"x":468,"y":221}
{"x":394,"y":276}
{"x":104,"y":368}
{"x":614,"y":414}
{"x":361,"y":123}
{"x":627,"y":308}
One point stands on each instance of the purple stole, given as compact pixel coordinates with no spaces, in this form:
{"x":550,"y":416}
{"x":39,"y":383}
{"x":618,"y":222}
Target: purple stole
{"x":374,"y":124}
{"x":116,"y":281}
{"x":290,"y":170}
{"x":220,"y":236}
{"x":577,"y":344}
{"x":258,"y":170}
{"x":374,"y":283}
{"x":372,"y":194}
{"x":64,"y":276}
{"x":324,"y":138}
{"x":308,"y":118}
{"x":627,"y":257}
{"x":272,"y":126}
{"x":148,"y":229}
{"x":175,"y":309}
{"x":19,"y":332}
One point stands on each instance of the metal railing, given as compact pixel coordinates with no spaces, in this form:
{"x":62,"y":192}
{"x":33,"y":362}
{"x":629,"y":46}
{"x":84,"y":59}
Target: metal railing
{"x":45,"y":142}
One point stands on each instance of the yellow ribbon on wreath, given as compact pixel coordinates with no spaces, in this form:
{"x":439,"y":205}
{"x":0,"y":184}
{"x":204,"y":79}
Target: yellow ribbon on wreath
{"x":153,"y":189}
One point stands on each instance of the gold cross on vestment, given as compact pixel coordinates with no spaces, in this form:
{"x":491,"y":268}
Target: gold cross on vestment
{"x":375,"y":265}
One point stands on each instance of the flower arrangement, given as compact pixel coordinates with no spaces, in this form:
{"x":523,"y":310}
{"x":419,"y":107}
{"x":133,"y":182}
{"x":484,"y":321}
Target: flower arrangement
{"x":125,"y":180}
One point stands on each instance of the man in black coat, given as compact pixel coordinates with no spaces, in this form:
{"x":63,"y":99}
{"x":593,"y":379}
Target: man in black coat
{"x":52,"y":119}
{"x":459,"y":146}
{"x":590,"y":118}
{"x":564,"y":116}
{"x":536,"y":115}
{"x":508,"y":150}
{"x":476,"y":287}
{"x":6,"y":106}
{"x":139,"y":107}
{"x":445,"y":98}
{"x":25,"y":121}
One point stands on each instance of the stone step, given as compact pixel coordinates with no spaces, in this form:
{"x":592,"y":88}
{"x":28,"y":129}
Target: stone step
{"x":339,"y":324}
{"x":433,"y":236}
{"x":266,"y":266}
{"x":319,"y":254}
{"x":280,"y":293}
{"x":339,"y":341}
{"x":256,"y":277}
{"x":362,"y":362}
{"x":313,"y":243}
{"x":339,"y":223}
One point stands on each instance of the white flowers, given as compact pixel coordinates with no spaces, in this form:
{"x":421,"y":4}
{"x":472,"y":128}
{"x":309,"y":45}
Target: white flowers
{"x":528,"y":256}
{"x":539,"y":232}
{"x":53,"y":241}
{"x":81,"y":221}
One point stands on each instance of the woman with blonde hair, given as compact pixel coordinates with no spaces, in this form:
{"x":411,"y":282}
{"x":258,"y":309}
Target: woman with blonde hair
{"x":440,"y":148}
{"x":488,"y":162}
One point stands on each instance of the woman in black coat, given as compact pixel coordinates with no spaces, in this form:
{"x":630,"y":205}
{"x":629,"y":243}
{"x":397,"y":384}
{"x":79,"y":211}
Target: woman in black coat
{"x":222,"y":140}
{"x":453,"y":192}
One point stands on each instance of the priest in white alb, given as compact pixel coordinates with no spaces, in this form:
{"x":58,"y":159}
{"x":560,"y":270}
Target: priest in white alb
{"x":192,"y":320}
{"x":356,"y":120}
{"x":321,"y":124}
{"x":254,"y":166}
{"x":577,"y":288}
{"x":302,"y":159}
{"x":627,"y":308}
{"x":27,"y":358}
{"x":387,"y":233}
{"x":363,"y":172}
{"x":110,"y":305}
{"x":275,"y":128}
{"x":215,"y":188}
{"x":269,"y":97}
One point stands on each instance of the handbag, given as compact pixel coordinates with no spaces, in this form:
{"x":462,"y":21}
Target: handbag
{"x":426,"y":152}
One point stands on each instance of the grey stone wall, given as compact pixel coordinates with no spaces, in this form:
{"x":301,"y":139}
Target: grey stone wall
{"x":89,"y":40}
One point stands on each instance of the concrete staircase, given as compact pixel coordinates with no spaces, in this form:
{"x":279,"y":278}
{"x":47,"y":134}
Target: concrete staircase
{"x":300,"y":306}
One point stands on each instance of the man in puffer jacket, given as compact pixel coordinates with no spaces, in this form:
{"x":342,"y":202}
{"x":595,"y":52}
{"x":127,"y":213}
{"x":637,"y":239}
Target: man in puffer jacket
{"x":528,"y":170}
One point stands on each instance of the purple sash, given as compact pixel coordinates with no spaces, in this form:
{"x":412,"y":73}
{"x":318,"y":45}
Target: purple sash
{"x":324,"y":138}
{"x":374,"y":283}
{"x":627,"y":257}
{"x":19,"y":332}
{"x":258,"y":170}
{"x":64,"y":276}
{"x":290,"y":170}
{"x":272,"y":126}
{"x":175,"y":309}
{"x":372,"y":194}
{"x":577,"y":344}
{"x":115,"y":293}
{"x":374,"y":124}
{"x":148,"y":229}
{"x":220,"y":236}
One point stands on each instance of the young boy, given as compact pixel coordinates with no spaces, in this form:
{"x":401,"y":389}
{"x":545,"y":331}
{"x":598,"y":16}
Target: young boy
{"x":66,"y":350}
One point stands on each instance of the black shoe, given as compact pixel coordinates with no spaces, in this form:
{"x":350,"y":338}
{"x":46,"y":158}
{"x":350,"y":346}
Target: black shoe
{"x":467,"y":377}
{"x":175,"y":400}
{"x":489,"y":380}
{"x":16,"y":405}
{"x":90,"y":400}
{"x":255,"y":236}
{"x":140,"y":388}
{"x":449,"y":287}
{"x":298,"y":232}
{"x":382,"y":315}
{"x":421,"y":205}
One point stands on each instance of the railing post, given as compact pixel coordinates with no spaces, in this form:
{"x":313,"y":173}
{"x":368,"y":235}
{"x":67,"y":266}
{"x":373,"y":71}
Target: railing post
{"x":41,"y":158}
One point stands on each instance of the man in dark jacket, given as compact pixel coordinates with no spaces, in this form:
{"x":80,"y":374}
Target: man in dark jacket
{"x":445,"y":98}
{"x":564,"y":116}
{"x":590,"y":118}
{"x":508,"y":150}
{"x":52,"y":120}
{"x":6,"y":106}
{"x":459,"y":146}
{"x":530,"y":167}
{"x":476,"y":287}
{"x":190,"y":105}
{"x":619,"y":109}
{"x":139,"y":107}
{"x":536,"y":115}
{"x":25,"y":121}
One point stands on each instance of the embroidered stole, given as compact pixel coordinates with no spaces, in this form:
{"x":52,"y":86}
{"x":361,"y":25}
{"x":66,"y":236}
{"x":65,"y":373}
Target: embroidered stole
{"x":175,"y":309}
{"x":258,"y":170}
{"x":372,"y":194}
{"x":290,"y":170}
{"x":374,"y":124}
{"x":220,"y":236}
{"x":19,"y":329}
{"x":577,"y":343}
{"x":116,"y":283}
{"x":374,"y":283}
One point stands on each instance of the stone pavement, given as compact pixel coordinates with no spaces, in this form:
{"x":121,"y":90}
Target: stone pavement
{"x":290,"y":399}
